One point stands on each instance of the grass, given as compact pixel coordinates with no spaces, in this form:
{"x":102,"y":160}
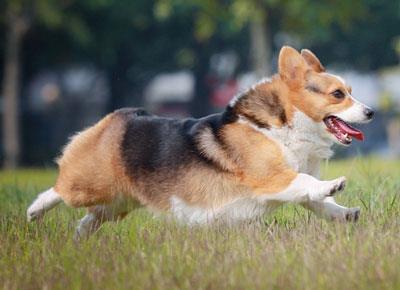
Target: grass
{"x":290,"y":249}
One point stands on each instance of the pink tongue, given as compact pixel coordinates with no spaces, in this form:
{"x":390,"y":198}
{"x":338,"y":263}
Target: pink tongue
{"x":349,"y":130}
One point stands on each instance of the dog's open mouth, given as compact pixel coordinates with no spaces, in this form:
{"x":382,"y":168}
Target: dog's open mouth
{"x":342,"y":130}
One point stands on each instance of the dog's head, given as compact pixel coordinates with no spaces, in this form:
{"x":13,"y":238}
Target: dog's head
{"x":323,"y":97}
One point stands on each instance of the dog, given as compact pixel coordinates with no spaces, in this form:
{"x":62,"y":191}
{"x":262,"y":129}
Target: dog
{"x":262,"y":151}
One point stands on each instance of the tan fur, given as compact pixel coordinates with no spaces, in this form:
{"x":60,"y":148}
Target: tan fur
{"x":262,"y":166}
{"x":90,"y":167}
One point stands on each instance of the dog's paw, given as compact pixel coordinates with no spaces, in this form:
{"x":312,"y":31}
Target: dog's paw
{"x":353,"y":214}
{"x":337,"y":185}
{"x":348,"y":215}
{"x":327,"y":188}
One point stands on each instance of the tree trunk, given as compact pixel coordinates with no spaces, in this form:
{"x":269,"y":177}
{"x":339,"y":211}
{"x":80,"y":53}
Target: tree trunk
{"x":260,"y":46}
{"x":200,"y":106}
{"x":16,"y":29}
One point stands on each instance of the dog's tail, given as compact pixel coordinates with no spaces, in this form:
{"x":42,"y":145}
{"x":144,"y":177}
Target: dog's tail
{"x":42,"y":204}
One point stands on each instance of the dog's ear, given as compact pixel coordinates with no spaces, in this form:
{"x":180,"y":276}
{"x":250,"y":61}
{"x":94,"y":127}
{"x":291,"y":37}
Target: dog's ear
{"x":312,"y":60}
{"x":292,"y":66}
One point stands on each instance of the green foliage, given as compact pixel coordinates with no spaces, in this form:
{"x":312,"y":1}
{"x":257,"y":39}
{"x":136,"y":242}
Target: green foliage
{"x":49,"y":13}
{"x":302,"y":16}
{"x":290,"y":249}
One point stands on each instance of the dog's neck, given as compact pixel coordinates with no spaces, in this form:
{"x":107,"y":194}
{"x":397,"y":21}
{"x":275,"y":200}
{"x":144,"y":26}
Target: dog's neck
{"x":266,"y":104}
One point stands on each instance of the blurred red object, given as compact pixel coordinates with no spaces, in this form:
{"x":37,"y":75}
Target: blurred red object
{"x":224,"y":92}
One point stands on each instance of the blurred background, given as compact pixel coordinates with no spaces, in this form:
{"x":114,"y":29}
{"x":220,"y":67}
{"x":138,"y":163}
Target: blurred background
{"x":66,"y":63}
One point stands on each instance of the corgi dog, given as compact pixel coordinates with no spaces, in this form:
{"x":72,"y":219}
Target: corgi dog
{"x":264,"y":150}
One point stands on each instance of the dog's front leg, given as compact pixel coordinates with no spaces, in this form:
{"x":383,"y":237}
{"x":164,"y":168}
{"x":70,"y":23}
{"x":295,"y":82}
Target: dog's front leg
{"x":305,"y":188}
{"x":330,"y":210}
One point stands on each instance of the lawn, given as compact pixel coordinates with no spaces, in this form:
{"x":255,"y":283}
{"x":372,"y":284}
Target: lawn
{"x":290,"y":249}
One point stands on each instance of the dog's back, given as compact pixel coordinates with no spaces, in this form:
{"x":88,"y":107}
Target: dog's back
{"x":141,"y":156}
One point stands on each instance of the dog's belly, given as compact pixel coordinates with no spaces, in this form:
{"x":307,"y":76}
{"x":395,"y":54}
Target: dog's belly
{"x":237,"y":210}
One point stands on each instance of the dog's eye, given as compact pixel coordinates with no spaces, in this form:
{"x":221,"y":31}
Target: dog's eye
{"x":338,"y":94}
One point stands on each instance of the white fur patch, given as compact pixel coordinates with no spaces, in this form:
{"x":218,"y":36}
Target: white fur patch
{"x":238,"y":210}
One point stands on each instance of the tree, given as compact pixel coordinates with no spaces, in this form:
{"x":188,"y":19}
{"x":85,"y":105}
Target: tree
{"x":308,"y":18}
{"x":17,"y":22}
{"x":19,"y":16}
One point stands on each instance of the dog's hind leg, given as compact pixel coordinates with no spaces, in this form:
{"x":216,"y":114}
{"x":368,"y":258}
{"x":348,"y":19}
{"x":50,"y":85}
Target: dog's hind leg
{"x":330,"y":210}
{"x":90,"y":223}
{"x":43,"y":203}
{"x":99,"y":214}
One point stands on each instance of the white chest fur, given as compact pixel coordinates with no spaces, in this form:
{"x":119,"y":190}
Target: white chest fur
{"x":303,"y":142}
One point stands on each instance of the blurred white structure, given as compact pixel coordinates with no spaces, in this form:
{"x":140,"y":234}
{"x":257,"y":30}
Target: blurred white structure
{"x":224,"y":64}
{"x":170,"y":87}
{"x":365,"y":86}
{"x":390,"y":83}
{"x":246,"y":80}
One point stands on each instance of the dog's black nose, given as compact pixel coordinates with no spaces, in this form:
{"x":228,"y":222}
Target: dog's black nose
{"x":369,"y":113}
